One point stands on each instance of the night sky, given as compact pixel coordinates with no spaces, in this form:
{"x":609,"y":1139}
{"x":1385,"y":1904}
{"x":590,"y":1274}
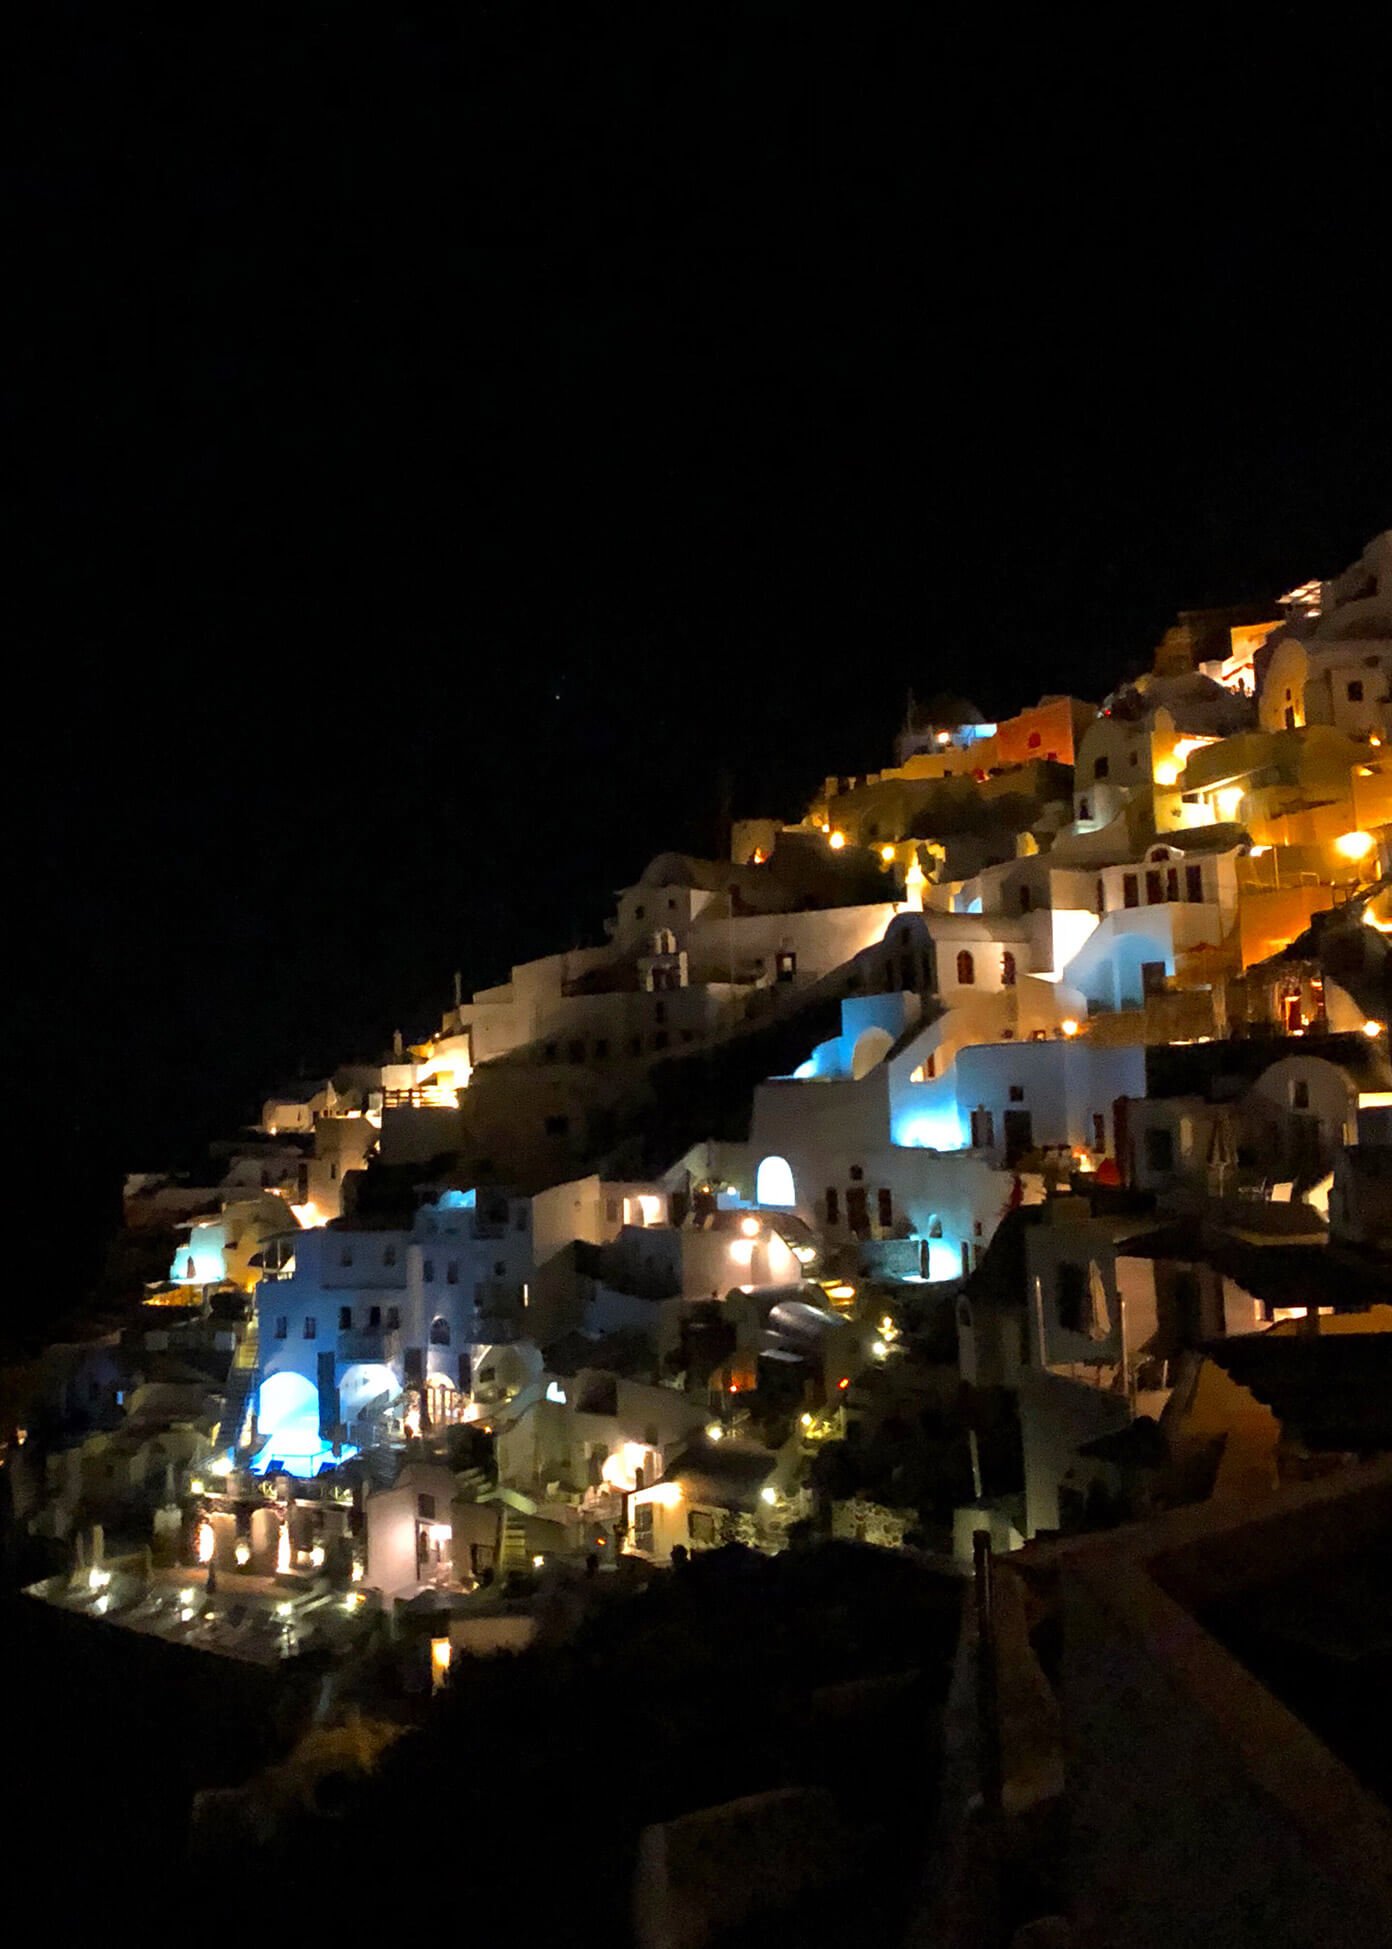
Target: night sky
{"x":457,"y":446}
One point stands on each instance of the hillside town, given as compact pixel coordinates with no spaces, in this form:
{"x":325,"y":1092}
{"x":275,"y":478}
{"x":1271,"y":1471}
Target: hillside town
{"x":995,"y":1162}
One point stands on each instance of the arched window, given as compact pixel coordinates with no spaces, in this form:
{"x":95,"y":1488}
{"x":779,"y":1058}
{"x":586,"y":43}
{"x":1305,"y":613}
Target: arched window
{"x":439,"y":1332}
{"x":1101,"y":899}
{"x":773,"y":1184}
{"x":1007,"y":969}
{"x":966,"y":969}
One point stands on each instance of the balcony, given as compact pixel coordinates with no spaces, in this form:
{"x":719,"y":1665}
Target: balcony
{"x":424,"y":1096}
{"x":363,"y":1343}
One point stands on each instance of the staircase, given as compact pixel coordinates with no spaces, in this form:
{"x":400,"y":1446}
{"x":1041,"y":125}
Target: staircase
{"x":243,"y":1379}
{"x":513,"y":1553}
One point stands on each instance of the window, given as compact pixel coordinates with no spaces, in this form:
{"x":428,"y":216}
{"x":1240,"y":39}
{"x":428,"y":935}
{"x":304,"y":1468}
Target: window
{"x":833,"y":1206}
{"x":1130,"y":890}
{"x":575,"y":1051}
{"x":1017,"y":1092}
{"x":857,"y":1173}
{"x":601,"y":1048}
{"x":1035,"y":740}
{"x":1084,"y":809}
{"x":1026,"y":899}
{"x":640,"y":913}
{"x":1300,"y":1096}
{"x":1154,"y":887}
{"x":393,"y":1319}
{"x":1099,"y":1131}
{"x":1071,"y":1295}
{"x":1159,"y":1150}
{"x":452,"y":1273}
{"x":1102,"y":768}
{"x":661,"y":1039}
{"x":282,"y":1326}
{"x":1134,"y":760}
{"x":374,"y":1316}
{"x":935,"y":1229}
{"x":557,"y":1126}
{"x":345,"y":1256}
{"x":884,"y":1202}
{"x":611,"y":1210}
{"x":1007,"y":969}
{"x":785,"y":965}
{"x":311,"y":1328}
{"x":439,"y":1332}
{"x":1172,"y":883}
{"x":519,"y":1219}
{"x":966,"y":969}
{"x":425,"y":1508}
{"x":1101,"y":899}
{"x":1193,"y":883}
{"x":388,"y":1255}
{"x":345,"y":1319}
{"x":643,"y":1525}
{"x":1355,"y":691}
{"x":983,"y":1130}
{"x":499,"y":1269}
{"x":659,"y":1012}
{"x":700,"y":1525}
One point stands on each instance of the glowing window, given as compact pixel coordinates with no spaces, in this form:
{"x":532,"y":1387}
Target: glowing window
{"x":966,"y":969}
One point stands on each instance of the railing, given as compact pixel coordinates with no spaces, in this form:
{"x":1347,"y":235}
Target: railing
{"x":362,"y":1343}
{"x":424,"y":1096}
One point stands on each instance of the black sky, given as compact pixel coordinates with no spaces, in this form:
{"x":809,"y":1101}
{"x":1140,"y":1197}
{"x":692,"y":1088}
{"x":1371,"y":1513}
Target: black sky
{"x":446,"y":442}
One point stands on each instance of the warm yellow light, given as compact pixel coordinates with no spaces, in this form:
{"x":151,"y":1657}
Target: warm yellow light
{"x":887,"y":855}
{"x":944,"y":737}
{"x":1258,"y":852}
{"x":1354,"y":845}
{"x":1229,"y":799}
{"x":742,"y":1250}
{"x":1184,"y":747}
{"x":879,"y":1349}
{"x":1371,"y":1029}
{"x":668,"y":1494}
{"x":714,"y":1431}
{"x":1167,"y":775}
{"x":837,"y":841}
{"x":750,"y":1227}
{"x":206,"y":1542}
{"x":196,"y":1485}
{"x":806,"y":1420}
{"x":759,"y":856}
{"x":768,"y":1494}
{"x":242,"y":1553}
{"x":441,"y":1652}
{"x":283,"y":1549}
{"x":538,"y":1561}
{"x":1069,"y":1025}
{"x":840,"y":1292}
